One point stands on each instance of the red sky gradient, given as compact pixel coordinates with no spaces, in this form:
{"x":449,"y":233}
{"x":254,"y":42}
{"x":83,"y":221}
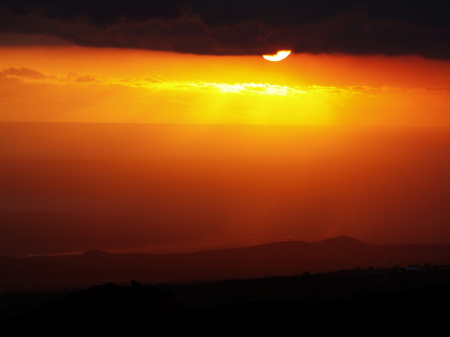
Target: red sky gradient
{"x":130,"y":150}
{"x":128,"y":187}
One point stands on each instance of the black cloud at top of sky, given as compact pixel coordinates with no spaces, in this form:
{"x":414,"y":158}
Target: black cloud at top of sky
{"x":236,"y":27}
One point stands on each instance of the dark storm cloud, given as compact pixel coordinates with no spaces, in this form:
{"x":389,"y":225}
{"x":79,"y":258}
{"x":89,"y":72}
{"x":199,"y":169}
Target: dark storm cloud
{"x":236,"y":27}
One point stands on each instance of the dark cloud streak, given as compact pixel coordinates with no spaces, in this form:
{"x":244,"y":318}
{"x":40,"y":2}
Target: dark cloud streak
{"x":240,"y":27}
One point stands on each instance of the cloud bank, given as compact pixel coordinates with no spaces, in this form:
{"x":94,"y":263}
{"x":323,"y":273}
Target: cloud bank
{"x":234,"y":27}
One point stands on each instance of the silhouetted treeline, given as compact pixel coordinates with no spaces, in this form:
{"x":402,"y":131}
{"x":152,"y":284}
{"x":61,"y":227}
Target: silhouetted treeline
{"x":345,"y":302}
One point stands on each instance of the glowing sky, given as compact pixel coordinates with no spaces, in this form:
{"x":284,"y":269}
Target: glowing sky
{"x":75,"y":84}
{"x":173,"y":133}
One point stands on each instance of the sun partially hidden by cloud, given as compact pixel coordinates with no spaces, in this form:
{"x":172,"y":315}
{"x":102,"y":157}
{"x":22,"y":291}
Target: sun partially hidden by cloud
{"x":233,"y":27}
{"x":280,"y":55}
{"x":73,"y":84}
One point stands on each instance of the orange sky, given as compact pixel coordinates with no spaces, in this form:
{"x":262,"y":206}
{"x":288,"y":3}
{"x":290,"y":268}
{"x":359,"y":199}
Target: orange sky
{"x":362,"y":150}
{"x":75,"y":187}
{"x":75,"y":84}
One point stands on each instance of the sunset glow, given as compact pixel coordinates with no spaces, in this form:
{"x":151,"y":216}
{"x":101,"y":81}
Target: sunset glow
{"x":73,"y":84}
{"x":180,"y":166}
{"x":159,"y":127}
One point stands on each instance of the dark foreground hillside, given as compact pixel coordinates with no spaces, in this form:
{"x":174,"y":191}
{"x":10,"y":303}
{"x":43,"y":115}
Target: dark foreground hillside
{"x":353,"y":303}
{"x":273,"y":259}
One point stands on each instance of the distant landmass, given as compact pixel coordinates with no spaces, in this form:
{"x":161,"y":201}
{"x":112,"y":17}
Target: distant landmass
{"x":273,"y":259}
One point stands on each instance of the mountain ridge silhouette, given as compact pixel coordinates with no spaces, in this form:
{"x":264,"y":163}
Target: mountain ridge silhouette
{"x":277,"y":258}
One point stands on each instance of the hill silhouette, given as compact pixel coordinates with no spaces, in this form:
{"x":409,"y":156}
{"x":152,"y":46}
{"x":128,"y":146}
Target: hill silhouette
{"x":272,"y":259}
{"x":390,"y":301}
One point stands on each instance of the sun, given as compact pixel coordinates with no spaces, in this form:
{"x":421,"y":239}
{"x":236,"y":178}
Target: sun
{"x":280,"y":55}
